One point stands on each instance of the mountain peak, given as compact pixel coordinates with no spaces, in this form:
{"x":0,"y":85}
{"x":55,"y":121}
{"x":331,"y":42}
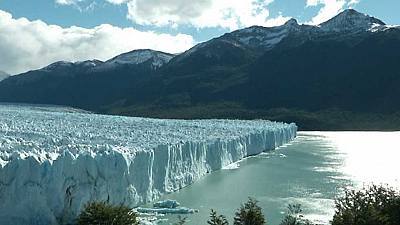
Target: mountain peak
{"x":140,"y":56}
{"x":351,"y":20}
{"x":291,"y":22}
{"x":62,"y":65}
{"x":261,"y":37}
{"x":89,"y":63}
{"x":58,"y":65}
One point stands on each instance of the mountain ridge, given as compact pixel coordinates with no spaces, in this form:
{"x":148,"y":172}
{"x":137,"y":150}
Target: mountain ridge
{"x":344,"y":21}
{"x":290,"y":72}
{"x":350,"y":19}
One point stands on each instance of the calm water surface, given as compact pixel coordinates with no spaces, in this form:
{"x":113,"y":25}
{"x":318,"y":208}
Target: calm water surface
{"x":312,"y":171}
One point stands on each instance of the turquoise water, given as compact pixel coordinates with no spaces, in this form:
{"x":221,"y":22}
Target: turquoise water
{"x":311,"y":171}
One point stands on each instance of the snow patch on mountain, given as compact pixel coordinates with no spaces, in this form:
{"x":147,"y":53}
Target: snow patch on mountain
{"x":89,"y":63}
{"x":254,"y":37}
{"x":58,"y":65}
{"x":136,"y":57}
{"x":378,"y":28}
{"x":63,"y":66}
{"x":266,"y":38}
{"x":140,"y":56}
{"x":351,"y":20}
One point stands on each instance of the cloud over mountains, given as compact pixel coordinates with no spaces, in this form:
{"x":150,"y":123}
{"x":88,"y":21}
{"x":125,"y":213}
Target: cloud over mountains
{"x":230,"y":14}
{"x":27,"y":45}
{"x":329,"y":8}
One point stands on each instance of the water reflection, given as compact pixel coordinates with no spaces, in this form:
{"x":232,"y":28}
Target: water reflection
{"x":312,"y":171}
{"x":369,"y":156}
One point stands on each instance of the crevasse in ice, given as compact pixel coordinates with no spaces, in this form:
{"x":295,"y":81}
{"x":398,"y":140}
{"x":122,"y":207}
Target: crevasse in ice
{"x":54,"y":160}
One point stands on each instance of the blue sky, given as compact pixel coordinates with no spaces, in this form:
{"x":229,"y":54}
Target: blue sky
{"x":52,"y":30}
{"x":88,"y":15}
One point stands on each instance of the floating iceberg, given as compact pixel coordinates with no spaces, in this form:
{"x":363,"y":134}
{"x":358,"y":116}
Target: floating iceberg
{"x":54,"y":161}
{"x":178,"y":210}
{"x":166,"y":207}
{"x":168,"y":204}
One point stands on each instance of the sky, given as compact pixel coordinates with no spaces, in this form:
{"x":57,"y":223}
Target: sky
{"x":35,"y":33}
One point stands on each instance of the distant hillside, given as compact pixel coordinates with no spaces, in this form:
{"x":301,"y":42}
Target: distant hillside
{"x":340,"y":75}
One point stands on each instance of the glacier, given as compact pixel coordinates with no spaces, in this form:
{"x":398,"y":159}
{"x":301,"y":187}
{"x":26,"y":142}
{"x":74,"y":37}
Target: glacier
{"x":54,"y":160}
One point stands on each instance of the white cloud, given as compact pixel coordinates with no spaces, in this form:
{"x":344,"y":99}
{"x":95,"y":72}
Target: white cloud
{"x":330,"y":8}
{"x":231,"y":14}
{"x":354,"y":2}
{"x":277,"y":21}
{"x":27,"y":45}
{"x":81,"y":5}
{"x":312,"y":2}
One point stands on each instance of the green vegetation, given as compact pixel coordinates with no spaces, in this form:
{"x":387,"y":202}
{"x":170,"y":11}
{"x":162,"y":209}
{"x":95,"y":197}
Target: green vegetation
{"x":375,"y":205}
{"x":216,"y":219}
{"x":294,"y":217}
{"x":103,"y":213}
{"x":249,"y":214}
{"x":181,"y":220}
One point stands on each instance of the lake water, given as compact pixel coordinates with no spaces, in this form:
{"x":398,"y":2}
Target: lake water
{"x":311,"y":171}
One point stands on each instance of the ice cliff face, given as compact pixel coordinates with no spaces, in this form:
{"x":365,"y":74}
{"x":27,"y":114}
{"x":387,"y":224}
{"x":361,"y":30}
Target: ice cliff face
{"x":53,"y":161}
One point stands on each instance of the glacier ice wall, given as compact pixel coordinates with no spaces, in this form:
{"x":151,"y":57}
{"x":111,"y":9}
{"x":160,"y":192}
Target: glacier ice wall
{"x":54,"y":160}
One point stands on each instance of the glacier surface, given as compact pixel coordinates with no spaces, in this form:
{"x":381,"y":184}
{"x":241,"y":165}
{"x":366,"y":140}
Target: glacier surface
{"x":54,"y":160}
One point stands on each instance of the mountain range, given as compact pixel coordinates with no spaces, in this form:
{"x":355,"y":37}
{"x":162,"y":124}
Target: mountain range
{"x":342,"y":74}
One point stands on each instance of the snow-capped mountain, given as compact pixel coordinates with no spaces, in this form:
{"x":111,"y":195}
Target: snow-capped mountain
{"x":252,"y":40}
{"x":351,"y":20}
{"x":154,"y":58}
{"x":3,"y":75}
{"x":58,"y":65}
{"x":261,"y":39}
{"x":89,"y":63}
{"x":265,"y":37}
{"x":336,"y":64}
{"x":135,"y":57}
{"x":255,"y":38}
{"x":85,"y":83}
{"x":63,"y":66}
